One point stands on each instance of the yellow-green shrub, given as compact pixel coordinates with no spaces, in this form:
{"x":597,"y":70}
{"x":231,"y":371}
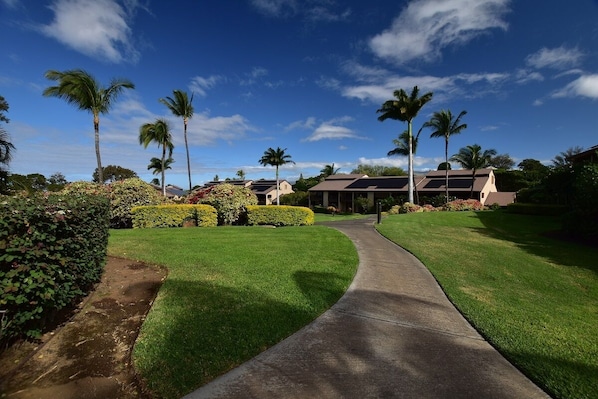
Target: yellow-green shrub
{"x":279,"y":215}
{"x":173,"y":215}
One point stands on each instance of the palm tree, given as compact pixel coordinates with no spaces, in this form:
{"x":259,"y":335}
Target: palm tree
{"x":156,"y":166}
{"x":158,"y":132}
{"x":275,"y":157}
{"x":78,"y":87}
{"x":329,"y":170}
{"x":241,"y":174}
{"x":6,"y":147}
{"x":472,"y":157}
{"x":181,"y":106}
{"x":445,"y":125}
{"x":402,"y":148}
{"x":404,"y":108}
{"x":561,"y":161}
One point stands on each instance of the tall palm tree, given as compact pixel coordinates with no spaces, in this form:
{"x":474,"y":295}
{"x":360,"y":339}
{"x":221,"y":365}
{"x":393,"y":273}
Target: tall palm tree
{"x":180,"y":105}
{"x":404,"y":108}
{"x":329,"y":170}
{"x":241,"y":174}
{"x":561,"y":161}
{"x":445,"y":125}
{"x":158,"y":132}
{"x":402,"y":148}
{"x":6,"y":147}
{"x":78,"y":87}
{"x":275,"y":157}
{"x":156,"y":166}
{"x":472,"y":157}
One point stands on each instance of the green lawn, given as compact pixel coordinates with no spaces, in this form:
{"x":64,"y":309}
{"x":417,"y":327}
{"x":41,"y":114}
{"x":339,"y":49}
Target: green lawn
{"x":231,"y":292}
{"x":327,"y":217}
{"x":534,"y":298}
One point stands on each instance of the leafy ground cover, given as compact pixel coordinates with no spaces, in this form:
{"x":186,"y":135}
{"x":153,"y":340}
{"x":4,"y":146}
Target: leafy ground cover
{"x":231,"y":292}
{"x":533,"y":297}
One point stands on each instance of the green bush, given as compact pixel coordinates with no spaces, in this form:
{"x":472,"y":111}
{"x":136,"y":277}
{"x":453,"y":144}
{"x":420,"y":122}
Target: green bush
{"x":127,"y":194}
{"x":174,"y":215}
{"x":279,"y":215}
{"x":229,"y":200}
{"x":298,"y":198}
{"x":53,"y":251}
{"x":536,"y":209}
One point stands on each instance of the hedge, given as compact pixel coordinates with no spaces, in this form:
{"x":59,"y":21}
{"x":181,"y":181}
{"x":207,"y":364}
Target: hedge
{"x":174,"y":215}
{"x":279,"y":215}
{"x":52,"y":252}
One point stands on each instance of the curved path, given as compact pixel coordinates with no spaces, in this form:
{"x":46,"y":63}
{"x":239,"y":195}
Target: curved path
{"x":394,"y":334}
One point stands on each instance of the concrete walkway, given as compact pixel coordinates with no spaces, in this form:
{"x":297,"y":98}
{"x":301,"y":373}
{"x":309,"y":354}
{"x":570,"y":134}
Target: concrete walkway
{"x":394,"y":334}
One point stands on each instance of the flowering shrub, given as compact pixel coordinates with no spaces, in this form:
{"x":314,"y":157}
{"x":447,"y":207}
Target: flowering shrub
{"x":86,"y":187}
{"x":126,"y":194}
{"x":408,"y":207}
{"x":464,"y":205}
{"x":229,"y":200}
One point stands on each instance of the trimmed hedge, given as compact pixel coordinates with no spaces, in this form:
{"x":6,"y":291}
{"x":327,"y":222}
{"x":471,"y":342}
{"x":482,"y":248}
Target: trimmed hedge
{"x":52,"y":252}
{"x":537,"y":209}
{"x":174,"y":215}
{"x":279,"y":215}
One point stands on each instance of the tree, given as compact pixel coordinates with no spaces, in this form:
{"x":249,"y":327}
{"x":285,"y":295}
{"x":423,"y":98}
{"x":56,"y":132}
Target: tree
{"x":158,"y":132}
{"x":402,"y":148}
{"x":6,"y":147}
{"x":444,"y":124}
{"x":180,"y":105}
{"x":533,"y":171}
{"x":562,"y":159}
{"x":56,"y":182}
{"x":112,"y":173}
{"x":156,"y":165}
{"x":275,"y":157}
{"x":79,"y":88}
{"x":378,"y":170}
{"x":404,"y":108}
{"x":472,"y":157}
{"x":502,"y":161}
{"x":241,"y":174}
{"x":444,"y":166}
{"x":329,"y":170}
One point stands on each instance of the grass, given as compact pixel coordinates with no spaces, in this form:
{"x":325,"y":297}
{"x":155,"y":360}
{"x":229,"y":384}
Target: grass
{"x":534,"y":298}
{"x":327,"y":217}
{"x":231,"y":292}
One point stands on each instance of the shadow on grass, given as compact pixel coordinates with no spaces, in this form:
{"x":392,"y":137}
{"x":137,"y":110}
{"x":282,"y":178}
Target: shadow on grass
{"x":198,"y":331}
{"x":528,"y":233}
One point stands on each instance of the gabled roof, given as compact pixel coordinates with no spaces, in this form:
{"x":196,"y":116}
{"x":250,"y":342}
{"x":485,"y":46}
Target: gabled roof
{"x":587,"y":155}
{"x":502,"y":199}
{"x":336,"y":182}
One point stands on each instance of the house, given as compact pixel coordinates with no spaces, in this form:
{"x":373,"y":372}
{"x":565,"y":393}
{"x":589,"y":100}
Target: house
{"x":171,"y":190}
{"x":344,"y":191}
{"x":589,"y":155}
{"x":265,"y":190}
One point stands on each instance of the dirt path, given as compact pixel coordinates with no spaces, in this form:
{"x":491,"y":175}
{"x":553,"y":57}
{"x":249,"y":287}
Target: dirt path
{"x":90,"y":355}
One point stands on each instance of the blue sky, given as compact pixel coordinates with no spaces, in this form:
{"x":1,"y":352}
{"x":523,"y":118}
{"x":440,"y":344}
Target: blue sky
{"x":305,"y":75}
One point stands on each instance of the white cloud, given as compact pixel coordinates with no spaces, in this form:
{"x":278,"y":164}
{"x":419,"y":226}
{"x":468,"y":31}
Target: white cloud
{"x":308,"y":123}
{"x":200,"y":85}
{"x":333,"y":130}
{"x":584,"y":86}
{"x":425,"y":27}
{"x":275,"y":8}
{"x":556,"y":58}
{"x":524,"y":76}
{"x":97,"y":28}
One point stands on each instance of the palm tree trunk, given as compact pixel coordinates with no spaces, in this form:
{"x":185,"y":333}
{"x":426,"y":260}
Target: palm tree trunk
{"x":446,"y":183}
{"x":163,"y":171}
{"x":188,"y":161}
{"x":472,"y":183}
{"x":410,"y":172}
{"x":96,"y":128}
{"x":277,"y":187}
